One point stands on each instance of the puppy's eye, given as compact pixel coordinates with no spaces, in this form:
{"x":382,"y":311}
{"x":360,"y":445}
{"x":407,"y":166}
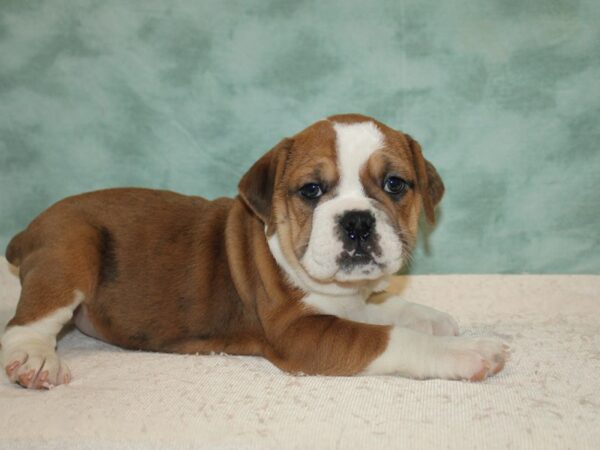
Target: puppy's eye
{"x":395,"y":185}
{"x":311,"y":191}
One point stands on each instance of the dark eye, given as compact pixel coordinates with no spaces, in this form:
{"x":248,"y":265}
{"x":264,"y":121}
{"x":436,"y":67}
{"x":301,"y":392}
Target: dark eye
{"x":311,"y":191}
{"x":395,"y":185}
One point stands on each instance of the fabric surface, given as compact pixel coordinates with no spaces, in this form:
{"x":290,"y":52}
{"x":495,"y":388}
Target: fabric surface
{"x":548,"y":396}
{"x":504,"y":97}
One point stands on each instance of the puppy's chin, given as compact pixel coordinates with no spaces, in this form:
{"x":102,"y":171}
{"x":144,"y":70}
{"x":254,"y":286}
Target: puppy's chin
{"x":364,"y":272}
{"x":345,"y":273}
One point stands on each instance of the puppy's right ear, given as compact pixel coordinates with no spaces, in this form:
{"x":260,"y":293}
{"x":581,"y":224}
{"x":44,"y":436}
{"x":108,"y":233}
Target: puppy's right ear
{"x":257,"y":186}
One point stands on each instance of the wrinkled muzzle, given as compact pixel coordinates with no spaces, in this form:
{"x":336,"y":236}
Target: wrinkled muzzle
{"x":351,"y":240}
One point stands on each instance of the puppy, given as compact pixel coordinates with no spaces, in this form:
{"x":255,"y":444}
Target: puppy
{"x":284,"y":270}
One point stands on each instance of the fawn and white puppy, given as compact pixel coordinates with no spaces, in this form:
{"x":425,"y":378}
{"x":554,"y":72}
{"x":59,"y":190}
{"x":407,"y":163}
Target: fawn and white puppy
{"x":284,"y":270}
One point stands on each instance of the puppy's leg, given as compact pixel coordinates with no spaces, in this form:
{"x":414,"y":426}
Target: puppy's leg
{"x":29,"y":354}
{"x":391,"y":309}
{"x":324,"y":344}
{"x":54,"y":282}
{"x":420,"y":355}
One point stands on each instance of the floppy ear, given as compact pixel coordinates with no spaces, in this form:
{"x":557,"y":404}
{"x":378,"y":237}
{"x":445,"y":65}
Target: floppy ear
{"x":428,"y":180}
{"x":257,"y":186}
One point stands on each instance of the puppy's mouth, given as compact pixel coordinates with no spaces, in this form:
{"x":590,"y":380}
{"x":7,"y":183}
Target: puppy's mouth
{"x":354,"y":268}
{"x":358,"y":266}
{"x":349,"y":260}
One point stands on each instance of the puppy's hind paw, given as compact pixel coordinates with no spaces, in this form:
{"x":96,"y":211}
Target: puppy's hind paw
{"x":39,"y":370}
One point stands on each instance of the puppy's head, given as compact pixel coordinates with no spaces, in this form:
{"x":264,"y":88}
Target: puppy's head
{"x":341,"y":199}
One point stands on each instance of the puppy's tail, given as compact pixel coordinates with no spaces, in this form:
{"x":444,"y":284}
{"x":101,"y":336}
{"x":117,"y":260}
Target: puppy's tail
{"x":14,"y":251}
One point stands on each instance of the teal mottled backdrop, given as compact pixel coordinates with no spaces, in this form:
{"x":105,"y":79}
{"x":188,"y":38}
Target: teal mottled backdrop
{"x":504,"y":96}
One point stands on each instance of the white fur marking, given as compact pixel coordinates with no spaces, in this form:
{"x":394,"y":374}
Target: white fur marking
{"x":355,"y":143}
{"x":350,"y":307}
{"x":33,"y":345}
{"x":393,"y":311}
{"x":417,"y":355}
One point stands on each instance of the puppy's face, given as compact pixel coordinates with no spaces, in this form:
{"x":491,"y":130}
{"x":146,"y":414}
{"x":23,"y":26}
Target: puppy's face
{"x":342,"y":198}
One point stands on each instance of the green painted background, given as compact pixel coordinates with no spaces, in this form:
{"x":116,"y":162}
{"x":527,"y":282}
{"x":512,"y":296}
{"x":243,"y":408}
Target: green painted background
{"x":503,"y":95}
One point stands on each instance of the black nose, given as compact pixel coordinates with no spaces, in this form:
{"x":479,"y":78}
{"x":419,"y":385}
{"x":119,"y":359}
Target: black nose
{"x":357,"y":224}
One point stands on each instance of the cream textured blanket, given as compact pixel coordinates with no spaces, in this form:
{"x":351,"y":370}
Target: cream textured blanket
{"x":547,"y":397}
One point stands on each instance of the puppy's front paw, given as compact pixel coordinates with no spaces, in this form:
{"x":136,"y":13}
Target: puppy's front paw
{"x":36,"y":370}
{"x":428,"y":320}
{"x":472,"y":359}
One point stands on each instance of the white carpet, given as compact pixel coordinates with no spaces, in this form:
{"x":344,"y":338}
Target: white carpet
{"x":548,"y":397}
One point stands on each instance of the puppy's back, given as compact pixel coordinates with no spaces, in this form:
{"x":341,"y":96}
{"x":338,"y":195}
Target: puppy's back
{"x":119,"y":207}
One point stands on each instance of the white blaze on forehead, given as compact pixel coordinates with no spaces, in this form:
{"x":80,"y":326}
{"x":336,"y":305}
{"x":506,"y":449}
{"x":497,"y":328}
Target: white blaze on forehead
{"x":355,"y":143}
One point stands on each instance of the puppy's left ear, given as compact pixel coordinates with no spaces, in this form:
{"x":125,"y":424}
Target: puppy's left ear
{"x":429,"y":182}
{"x":257,"y":186}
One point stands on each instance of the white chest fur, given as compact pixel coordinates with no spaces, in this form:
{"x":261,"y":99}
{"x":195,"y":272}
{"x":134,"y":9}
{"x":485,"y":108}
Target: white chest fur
{"x":347,"y":307}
